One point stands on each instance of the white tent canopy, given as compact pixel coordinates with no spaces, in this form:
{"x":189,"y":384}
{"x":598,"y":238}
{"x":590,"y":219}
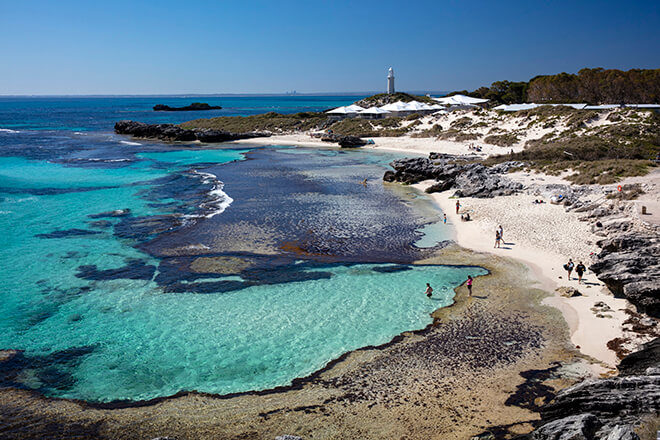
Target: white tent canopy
{"x":460,"y":100}
{"x":347,"y":110}
{"x":398,"y":106}
{"x":374,"y":111}
{"x":417,"y":106}
{"x":354,"y":108}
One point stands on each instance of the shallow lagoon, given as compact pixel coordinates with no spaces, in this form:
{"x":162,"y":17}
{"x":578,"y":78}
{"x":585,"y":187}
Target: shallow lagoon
{"x":107,"y":306}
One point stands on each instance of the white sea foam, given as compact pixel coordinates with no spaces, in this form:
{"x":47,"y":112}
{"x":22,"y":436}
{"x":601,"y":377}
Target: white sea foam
{"x":103,"y":160}
{"x":7,"y":130}
{"x":129,"y":143}
{"x":217,"y":200}
{"x":6,"y":212}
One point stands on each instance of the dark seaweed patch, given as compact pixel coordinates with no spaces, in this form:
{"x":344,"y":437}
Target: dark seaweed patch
{"x":391,"y":269}
{"x":53,"y":370}
{"x":66,"y":233}
{"x":134,"y":270}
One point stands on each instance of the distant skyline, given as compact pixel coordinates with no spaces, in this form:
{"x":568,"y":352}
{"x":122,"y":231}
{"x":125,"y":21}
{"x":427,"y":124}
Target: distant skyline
{"x":264,"y":47}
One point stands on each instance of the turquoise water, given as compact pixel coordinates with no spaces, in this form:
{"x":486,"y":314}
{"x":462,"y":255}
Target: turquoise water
{"x":94,"y":312}
{"x":148,"y":344}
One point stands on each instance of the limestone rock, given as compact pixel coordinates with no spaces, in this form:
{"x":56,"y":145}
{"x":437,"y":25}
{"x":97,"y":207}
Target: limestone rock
{"x":622,"y":432}
{"x":640,"y":361}
{"x":629,"y":264}
{"x":170,"y":132}
{"x":577,"y":427}
{"x":469,"y":179}
{"x":568,"y":292}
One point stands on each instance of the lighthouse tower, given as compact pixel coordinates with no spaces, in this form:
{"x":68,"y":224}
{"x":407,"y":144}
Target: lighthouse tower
{"x":390,"y":82}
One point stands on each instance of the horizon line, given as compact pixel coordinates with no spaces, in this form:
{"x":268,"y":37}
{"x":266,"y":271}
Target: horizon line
{"x":213,"y":95}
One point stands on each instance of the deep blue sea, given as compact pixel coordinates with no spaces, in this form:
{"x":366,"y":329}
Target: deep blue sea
{"x":135,"y":269}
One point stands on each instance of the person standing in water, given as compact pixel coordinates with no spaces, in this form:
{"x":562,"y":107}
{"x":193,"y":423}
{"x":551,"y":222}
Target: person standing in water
{"x":444,"y":218}
{"x":429,"y":290}
{"x":469,"y":285}
{"x":580,"y":269}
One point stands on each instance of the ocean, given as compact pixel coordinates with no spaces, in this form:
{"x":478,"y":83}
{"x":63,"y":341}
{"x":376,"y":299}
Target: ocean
{"x":136,"y":269}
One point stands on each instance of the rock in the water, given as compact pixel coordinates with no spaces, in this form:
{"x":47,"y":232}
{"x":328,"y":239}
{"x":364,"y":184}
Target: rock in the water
{"x":344,"y":141}
{"x":192,"y":107}
{"x":170,"y":132}
{"x":577,"y":427}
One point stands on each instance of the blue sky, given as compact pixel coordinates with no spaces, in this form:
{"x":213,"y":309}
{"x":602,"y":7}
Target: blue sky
{"x":163,"y":47}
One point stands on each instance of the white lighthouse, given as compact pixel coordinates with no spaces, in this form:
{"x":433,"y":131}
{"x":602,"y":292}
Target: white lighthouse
{"x":390,"y":82}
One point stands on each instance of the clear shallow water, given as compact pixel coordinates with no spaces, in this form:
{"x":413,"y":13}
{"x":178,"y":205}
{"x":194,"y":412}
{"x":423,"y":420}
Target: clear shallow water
{"x":102,"y":303}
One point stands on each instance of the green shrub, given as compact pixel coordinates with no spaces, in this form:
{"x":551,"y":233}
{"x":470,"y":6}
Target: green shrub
{"x":461,"y":123}
{"x":502,"y":140}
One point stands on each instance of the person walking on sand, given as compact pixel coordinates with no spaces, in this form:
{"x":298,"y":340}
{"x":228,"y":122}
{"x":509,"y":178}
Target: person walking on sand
{"x":497,"y":239}
{"x":568,"y":267}
{"x":444,"y":218}
{"x":429,"y":290}
{"x":501,"y":231}
{"x":580,"y":269}
{"x":469,"y":285}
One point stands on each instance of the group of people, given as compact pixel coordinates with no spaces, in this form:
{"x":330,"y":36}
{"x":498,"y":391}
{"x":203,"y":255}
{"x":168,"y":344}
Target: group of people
{"x":580,"y":269}
{"x":429,"y":290}
{"x":464,"y":217}
{"x":473,"y":147}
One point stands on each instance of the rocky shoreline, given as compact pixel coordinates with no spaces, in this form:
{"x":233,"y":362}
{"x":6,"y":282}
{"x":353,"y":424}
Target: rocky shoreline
{"x":628,"y":263}
{"x":629,"y":260}
{"x":174,"y":133}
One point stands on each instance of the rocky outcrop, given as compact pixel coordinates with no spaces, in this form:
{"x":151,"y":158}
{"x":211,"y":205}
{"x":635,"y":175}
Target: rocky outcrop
{"x":192,"y":107}
{"x":468,"y":179}
{"x":606,"y":409}
{"x":344,"y":141}
{"x":171,"y":132}
{"x":629,"y":264}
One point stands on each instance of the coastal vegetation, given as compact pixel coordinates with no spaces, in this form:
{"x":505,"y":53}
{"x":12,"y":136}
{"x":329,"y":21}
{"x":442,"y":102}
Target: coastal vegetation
{"x":593,"y":86}
{"x":384,"y":98}
{"x":273,"y":122}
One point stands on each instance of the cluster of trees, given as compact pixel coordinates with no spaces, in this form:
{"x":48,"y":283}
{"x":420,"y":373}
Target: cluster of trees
{"x":598,"y":86}
{"x":500,"y":92}
{"x":593,"y":86}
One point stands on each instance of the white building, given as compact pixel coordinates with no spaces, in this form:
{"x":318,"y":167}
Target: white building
{"x":390,"y":82}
